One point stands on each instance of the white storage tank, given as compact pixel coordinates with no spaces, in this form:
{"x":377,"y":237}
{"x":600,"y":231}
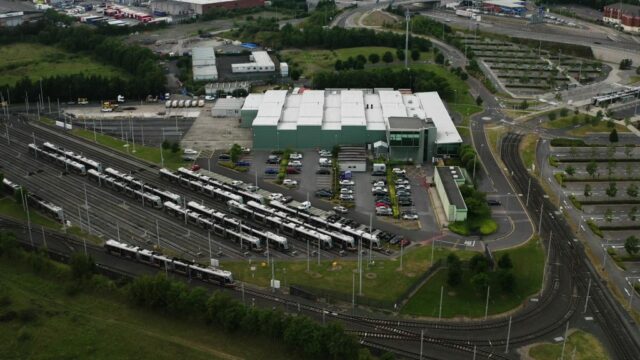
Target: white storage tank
{"x":284,"y":69}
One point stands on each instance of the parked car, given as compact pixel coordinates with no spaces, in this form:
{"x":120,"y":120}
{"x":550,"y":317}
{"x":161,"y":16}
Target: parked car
{"x":346,"y":197}
{"x":237,"y":183}
{"x":323,"y":172}
{"x":271,"y":171}
{"x":347,"y":183}
{"x":378,"y":173}
{"x":340,"y":209}
{"x":275,"y":196}
{"x":384,"y":211}
{"x":379,"y":205}
{"x":405,"y":202}
{"x":345,"y":190}
{"x":286,"y":199}
{"x":383,"y":203}
{"x":379,"y":189}
{"x":289,"y":182}
{"x":304,"y":206}
{"x":293,"y":170}
{"x":273,"y":159}
{"x":243,"y":163}
{"x":323,"y":194}
{"x":402,"y":182}
{"x":403,"y":187}
{"x":381,"y":183}
{"x":252,"y":188}
{"x":225,"y":157}
{"x":246,"y":150}
{"x":396,"y":239}
{"x":195,"y":167}
{"x":409,"y":216}
{"x":405,"y":242}
{"x":398,"y":171}
{"x":295,"y":156}
{"x":295,"y":163}
{"x":403,"y":193}
{"x":492,"y":202}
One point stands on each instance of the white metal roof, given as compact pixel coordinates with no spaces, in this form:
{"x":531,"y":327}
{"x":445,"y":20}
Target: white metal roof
{"x":435,"y":110}
{"x":252,"y":102}
{"x":392,"y":105}
{"x":228,"y":104}
{"x":200,"y":72}
{"x":373,"y":112}
{"x":271,"y":108}
{"x":204,"y":2}
{"x":311,"y":108}
{"x":202,"y":56}
{"x":262,"y":58}
{"x":352,"y":108}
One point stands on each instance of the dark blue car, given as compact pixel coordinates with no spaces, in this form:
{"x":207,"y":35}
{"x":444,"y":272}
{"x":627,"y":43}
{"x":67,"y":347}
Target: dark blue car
{"x":243,"y":163}
{"x":271,"y":171}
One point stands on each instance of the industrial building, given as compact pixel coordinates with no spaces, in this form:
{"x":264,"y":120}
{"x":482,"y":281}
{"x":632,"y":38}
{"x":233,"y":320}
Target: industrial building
{"x":447,"y":180}
{"x":417,"y":126}
{"x":260,"y":61}
{"x":227,"y":107}
{"x":512,"y":7}
{"x":625,"y":15}
{"x":203,"y":61}
{"x":199,"y":7}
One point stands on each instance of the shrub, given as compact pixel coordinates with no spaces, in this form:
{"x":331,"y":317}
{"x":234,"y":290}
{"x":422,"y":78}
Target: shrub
{"x":488,"y":227}
{"x":459,"y":227}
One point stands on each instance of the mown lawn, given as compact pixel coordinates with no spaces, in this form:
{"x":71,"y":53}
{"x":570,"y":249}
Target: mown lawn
{"x":528,"y":149}
{"x":587,"y":347}
{"x":382,"y":281}
{"x":39,"y":61}
{"x":50,"y":324}
{"x":464,"y":300}
{"x":151,"y":154}
{"x":581,"y":129}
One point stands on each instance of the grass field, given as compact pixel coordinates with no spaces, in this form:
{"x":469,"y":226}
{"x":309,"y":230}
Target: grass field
{"x":494,"y":134}
{"x":586,"y":346}
{"x":528,"y":149}
{"x":151,"y":154}
{"x":464,"y":300}
{"x":382,"y":281}
{"x":10,"y":208}
{"x":53,"y":325}
{"x":312,"y":61}
{"x":380,"y":18}
{"x":38,"y":61}
{"x":581,"y":129}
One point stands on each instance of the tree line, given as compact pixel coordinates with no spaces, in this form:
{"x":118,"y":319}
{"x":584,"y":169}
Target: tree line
{"x":299,"y":333}
{"x":595,"y":4}
{"x":417,"y":80}
{"x":144,"y":75}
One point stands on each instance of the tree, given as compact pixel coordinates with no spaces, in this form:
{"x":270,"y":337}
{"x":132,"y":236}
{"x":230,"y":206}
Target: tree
{"x":175,"y":147}
{"x":592,"y":167}
{"x":295,"y":74}
{"x":505,"y":262}
{"x":439,"y":58}
{"x":234,"y":152}
{"x":552,"y":116}
{"x":166,"y":145}
{"x":507,"y":280}
{"x":338,"y":65}
{"x":479,"y":264}
{"x":454,"y":274}
{"x":480,"y":281}
{"x":524,"y":105}
{"x":610,"y":166}
{"x":587,"y":190}
{"x":361,"y":59}
{"x":608,"y":215}
{"x":564,"y":112}
{"x":387,"y":57}
{"x":374,"y":58}
{"x":479,"y":101}
{"x":612,"y":189}
{"x":632,"y":190}
{"x":633,"y":213}
{"x":632,"y":245}
{"x":570,"y":170}
{"x":625,"y":64}
{"x":575,"y":120}
{"x":82,"y":266}
{"x":613,"y":136}
{"x":415,"y":54}
{"x":400,"y":54}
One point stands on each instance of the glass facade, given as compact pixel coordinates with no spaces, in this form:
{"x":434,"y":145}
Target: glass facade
{"x":402,"y":138}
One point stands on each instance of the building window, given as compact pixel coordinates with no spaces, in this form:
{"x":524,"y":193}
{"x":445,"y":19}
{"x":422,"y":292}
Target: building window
{"x":404,"y":139}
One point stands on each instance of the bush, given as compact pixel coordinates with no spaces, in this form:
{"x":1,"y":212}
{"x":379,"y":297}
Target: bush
{"x":387,"y":57}
{"x":488,"y":227}
{"x":374,"y":58}
{"x":460,"y":228}
{"x":564,"y":142}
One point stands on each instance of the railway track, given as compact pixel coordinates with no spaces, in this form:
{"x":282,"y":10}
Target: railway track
{"x":605,"y":310}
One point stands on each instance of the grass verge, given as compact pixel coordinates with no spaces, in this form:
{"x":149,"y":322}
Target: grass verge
{"x":11,"y":209}
{"x":382,"y":281}
{"x":594,"y":227}
{"x":152,"y":154}
{"x":464,"y":300}
{"x":585,"y":345}
{"x":528,"y":150}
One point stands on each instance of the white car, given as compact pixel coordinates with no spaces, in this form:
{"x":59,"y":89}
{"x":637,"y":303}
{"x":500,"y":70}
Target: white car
{"x":236,"y":183}
{"x":275,"y":196}
{"x":409,"y":216}
{"x":379,"y":183}
{"x":340,"y":209}
{"x":379,"y":189}
{"x":406,"y":187}
{"x":324,"y":160}
{"x":399,"y":171}
{"x":346,"y":191}
{"x":295,"y":163}
{"x":295,"y":156}
{"x":304,"y":206}
{"x":289,"y":182}
{"x":402,"y":182}
{"x":347,"y":183}
{"x":346,"y":197}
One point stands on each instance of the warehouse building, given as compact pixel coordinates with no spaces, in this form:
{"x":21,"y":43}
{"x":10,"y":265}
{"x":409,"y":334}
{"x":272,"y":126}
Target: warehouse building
{"x":448,"y":180}
{"x":199,"y":7}
{"x":11,"y":19}
{"x":417,"y":127}
{"x":260,"y":61}
{"x":227,"y":107}
{"x":625,"y":15}
{"x":512,"y":7}
{"x":203,"y":61}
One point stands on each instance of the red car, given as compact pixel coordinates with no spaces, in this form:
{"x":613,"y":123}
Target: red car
{"x":381,"y":204}
{"x":195,"y":167}
{"x":292,"y":170}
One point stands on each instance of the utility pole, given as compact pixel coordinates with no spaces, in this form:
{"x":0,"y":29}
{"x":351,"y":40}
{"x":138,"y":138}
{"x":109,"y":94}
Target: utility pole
{"x":564,"y":342}
{"x":273,"y":276}
{"x":158,"y":235}
{"x":26,"y":202}
{"x":406,"y":41}
{"x":353,"y":292}
{"x":528,"y":190}
{"x":586,"y":301}
{"x":360,"y":266}
{"x":421,"y":342}
{"x":308,"y":255}
{"x":486,"y":307}
{"x":440,"y":310}
{"x":546,"y":263}
{"x":540,"y":219}
{"x":210,"y":254}
{"x":506,"y":350}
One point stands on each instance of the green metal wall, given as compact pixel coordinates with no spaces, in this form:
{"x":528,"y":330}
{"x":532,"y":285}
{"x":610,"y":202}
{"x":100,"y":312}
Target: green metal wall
{"x":247,"y":117}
